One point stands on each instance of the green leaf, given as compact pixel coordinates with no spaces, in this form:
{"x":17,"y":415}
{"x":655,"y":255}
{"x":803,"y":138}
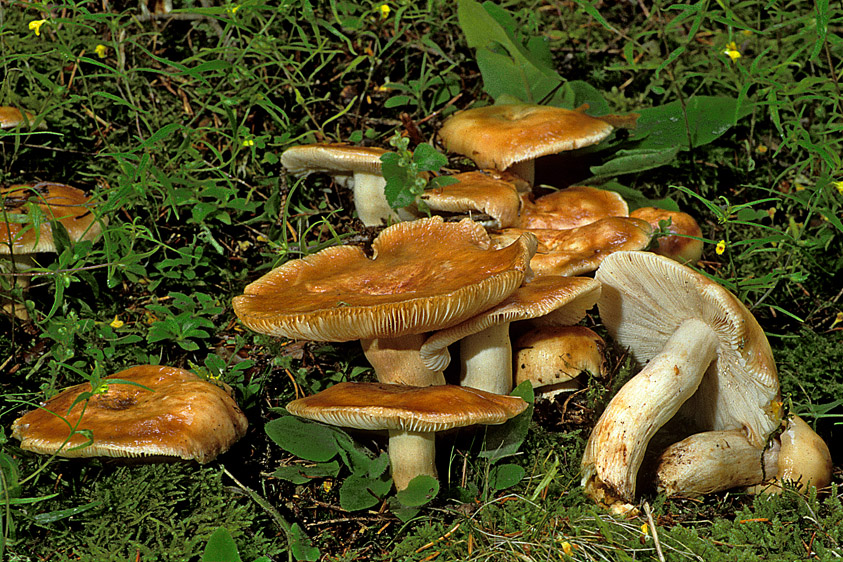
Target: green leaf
{"x":708,"y":117}
{"x":298,"y":474}
{"x":421,"y":489}
{"x":577,"y":92}
{"x":428,"y":158}
{"x":505,"y":476}
{"x":360,"y":491}
{"x":221,"y":548}
{"x":635,"y":160}
{"x":301,"y":545}
{"x":306,"y":440}
{"x":396,"y":101}
{"x":635,"y":199}
{"x":53,"y":516}
{"x":504,"y":440}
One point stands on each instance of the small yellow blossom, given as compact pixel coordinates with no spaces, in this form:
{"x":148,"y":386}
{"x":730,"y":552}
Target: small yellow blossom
{"x":645,"y":530}
{"x":746,"y":32}
{"x":567,"y":548}
{"x":232,"y":9}
{"x":102,"y":388}
{"x":327,"y":485}
{"x":837,"y":320}
{"x":384,"y":9}
{"x":732,"y":51}
{"x":838,"y":185}
{"x":35,"y":25}
{"x":721,"y":247}
{"x":101,"y":51}
{"x":116,"y":323}
{"x":249,"y":142}
{"x":261,"y":238}
{"x":761,"y":148}
{"x":800,"y":187}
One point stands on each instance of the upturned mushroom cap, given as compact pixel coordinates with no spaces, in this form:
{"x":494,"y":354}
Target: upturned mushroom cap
{"x":423,"y":275}
{"x":353,"y":167}
{"x":550,"y":356}
{"x":580,"y":250}
{"x":571,"y":207}
{"x":57,"y":201}
{"x":499,"y":136}
{"x":181,"y":416}
{"x":406,"y":408}
{"x":11,"y":117}
{"x":482,"y":191}
{"x":685,"y":246}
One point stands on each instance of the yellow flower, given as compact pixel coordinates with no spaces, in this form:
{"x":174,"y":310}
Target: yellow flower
{"x":721,"y":247}
{"x":248,"y":142}
{"x":102,"y":388}
{"x":837,"y":320}
{"x":35,"y":25}
{"x":761,"y":149}
{"x":645,"y":530}
{"x":732,"y":51}
{"x":101,"y":51}
{"x":384,"y":10}
{"x":567,"y":548}
{"x":116,"y":323}
{"x":838,"y":185}
{"x":232,"y":9}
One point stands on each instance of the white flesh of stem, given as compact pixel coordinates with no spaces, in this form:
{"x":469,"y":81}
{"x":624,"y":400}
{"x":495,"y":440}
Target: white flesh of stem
{"x":411,"y":454}
{"x":486,"y":360}
{"x":370,"y":201}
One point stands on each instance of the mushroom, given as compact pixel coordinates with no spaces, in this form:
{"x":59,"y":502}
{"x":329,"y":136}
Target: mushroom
{"x":423,"y":275}
{"x":580,"y":250}
{"x":485,"y":347}
{"x":11,"y":117}
{"x":705,"y":353}
{"x":22,"y":235}
{"x":571,"y":207}
{"x":685,"y":244}
{"x":411,"y":414}
{"x":511,"y":137}
{"x":144,"y":411}
{"x":355,"y":167}
{"x":483,"y":191}
{"x":552,"y":357}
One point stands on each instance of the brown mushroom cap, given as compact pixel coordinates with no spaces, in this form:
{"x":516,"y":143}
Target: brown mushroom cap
{"x":549,"y":356}
{"x":686,"y":246}
{"x":581,"y":250}
{"x":406,"y":408}
{"x":57,"y":201}
{"x":483,"y":191}
{"x":571,"y":207}
{"x":11,"y":117}
{"x":423,"y":275}
{"x":182,"y":416}
{"x":498,"y":136}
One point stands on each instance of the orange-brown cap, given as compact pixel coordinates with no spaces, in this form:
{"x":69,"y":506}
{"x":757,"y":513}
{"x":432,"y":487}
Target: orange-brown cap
{"x":481,"y":191}
{"x":406,"y":408}
{"x":553,"y":355}
{"x":423,"y":275}
{"x":180,"y":416}
{"x":581,"y":250}
{"x":498,"y":136}
{"x":572,"y":207}
{"x":11,"y":117}
{"x":57,"y":201}
{"x":685,"y":246}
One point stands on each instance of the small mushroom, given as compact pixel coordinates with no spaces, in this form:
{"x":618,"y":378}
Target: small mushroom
{"x":511,"y":137}
{"x":704,"y":352}
{"x":485,"y":346}
{"x":488,"y":192}
{"x":552,"y":357}
{"x":423,"y":275}
{"x":411,"y":414}
{"x":162,"y":411}
{"x":11,"y":117}
{"x":354,"y":167}
{"x":685,"y":243}
{"x":571,"y":207}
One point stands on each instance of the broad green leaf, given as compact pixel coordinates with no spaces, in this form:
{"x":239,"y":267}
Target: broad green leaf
{"x":298,"y":474}
{"x":306,"y":440}
{"x":221,"y":548}
{"x":708,"y":117}
{"x":362,"y":492}
{"x":628,"y":161}
{"x":301,"y":546}
{"x":428,"y":158}
{"x":577,"y":92}
{"x":505,"y":476}
{"x":504,"y":440}
{"x":419,"y":491}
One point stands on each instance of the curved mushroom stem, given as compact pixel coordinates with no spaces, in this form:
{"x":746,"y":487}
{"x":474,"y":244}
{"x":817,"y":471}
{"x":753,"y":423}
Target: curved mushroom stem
{"x":370,"y":201}
{"x":397,"y":361}
{"x":486,"y":360}
{"x":617,"y":444}
{"x":411,"y":454}
{"x":713,"y":461}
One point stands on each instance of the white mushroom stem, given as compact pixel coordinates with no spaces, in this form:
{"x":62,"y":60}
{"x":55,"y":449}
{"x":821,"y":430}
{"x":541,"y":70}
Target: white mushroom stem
{"x":411,"y":454}
{"x":370,"y":200}
{"x":617,"y":444}
{"x":526,"y":170}
{"x":486,"y":360}
{"x":713,"y":461}
{"x":397,"y":361}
